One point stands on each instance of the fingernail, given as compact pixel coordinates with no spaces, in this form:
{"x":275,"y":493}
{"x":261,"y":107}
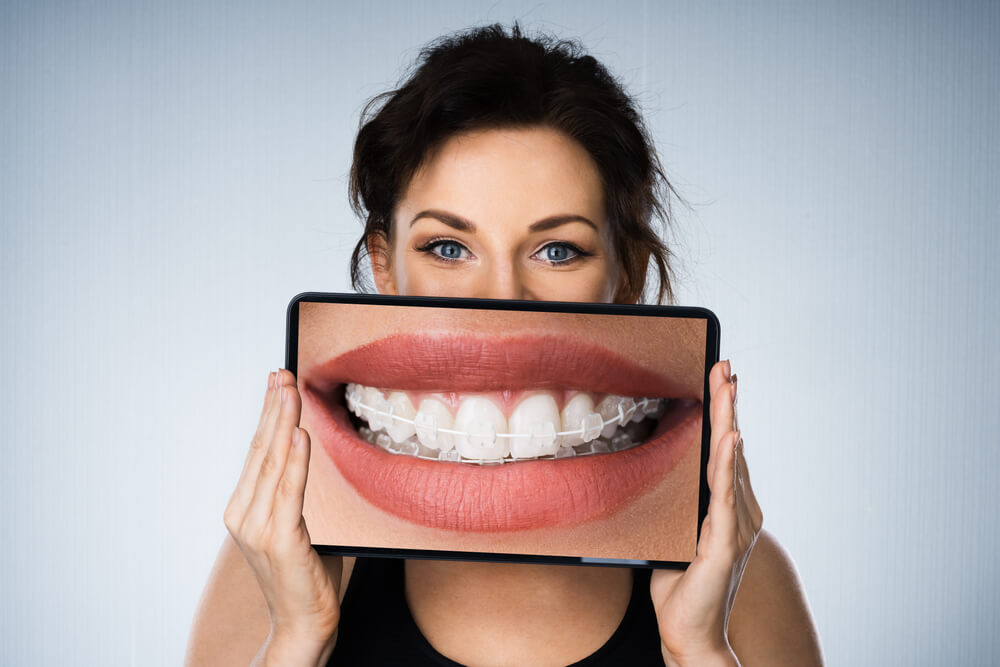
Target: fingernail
{"x":733,"y":382}
{"x":729,"y":370}
{"x":295,"y":437}
{"x":277,"y":378}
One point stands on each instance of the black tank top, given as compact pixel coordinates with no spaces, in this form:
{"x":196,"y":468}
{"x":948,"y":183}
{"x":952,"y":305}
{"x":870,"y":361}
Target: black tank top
{"x":377,"y":629}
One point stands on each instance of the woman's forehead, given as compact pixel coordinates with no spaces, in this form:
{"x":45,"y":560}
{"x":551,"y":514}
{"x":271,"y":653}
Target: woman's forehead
{"x":529,"y":173}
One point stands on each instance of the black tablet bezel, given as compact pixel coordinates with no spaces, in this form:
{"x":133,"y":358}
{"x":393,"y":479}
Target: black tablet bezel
{"x":711,"y":357}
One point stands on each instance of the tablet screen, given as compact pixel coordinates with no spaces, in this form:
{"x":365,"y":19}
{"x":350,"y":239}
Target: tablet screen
{"x":507,"y":430}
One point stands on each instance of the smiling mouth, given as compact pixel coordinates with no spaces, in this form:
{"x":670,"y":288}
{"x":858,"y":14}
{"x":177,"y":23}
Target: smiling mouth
{"x":423,"y":437}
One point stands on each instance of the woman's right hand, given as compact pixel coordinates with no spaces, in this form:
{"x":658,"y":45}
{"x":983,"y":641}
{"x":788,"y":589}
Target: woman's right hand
{"x":264,"y":516}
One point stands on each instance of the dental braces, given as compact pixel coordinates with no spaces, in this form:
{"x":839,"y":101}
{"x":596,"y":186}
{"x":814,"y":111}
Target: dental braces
{"x":410,"y":448}
{"x":543,"y":434}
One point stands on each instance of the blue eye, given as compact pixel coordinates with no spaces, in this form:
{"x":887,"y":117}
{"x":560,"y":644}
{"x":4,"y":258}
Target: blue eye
{"x":558,"y":253}
{"x":450,"y":251}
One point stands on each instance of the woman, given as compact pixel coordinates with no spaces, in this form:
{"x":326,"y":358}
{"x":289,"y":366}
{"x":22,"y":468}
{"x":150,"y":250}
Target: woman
{"x":514,"y":168}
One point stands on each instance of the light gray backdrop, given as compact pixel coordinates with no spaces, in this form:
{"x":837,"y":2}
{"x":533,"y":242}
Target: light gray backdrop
{"x":171,"y":174}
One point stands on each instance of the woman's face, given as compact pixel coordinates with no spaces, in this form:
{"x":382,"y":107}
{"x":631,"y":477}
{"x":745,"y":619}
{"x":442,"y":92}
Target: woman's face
{"x":515,"y":214}
{"x":503,"y":214}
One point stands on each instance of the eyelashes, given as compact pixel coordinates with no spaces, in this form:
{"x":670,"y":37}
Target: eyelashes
{"x":555,"y":253}
{"x":434,"y":248}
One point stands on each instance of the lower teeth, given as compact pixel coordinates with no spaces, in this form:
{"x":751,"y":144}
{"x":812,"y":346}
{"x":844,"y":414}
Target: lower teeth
{"x":625,"y":437}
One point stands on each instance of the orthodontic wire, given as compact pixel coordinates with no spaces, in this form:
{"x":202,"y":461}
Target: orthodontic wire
{"x":620,"y":419}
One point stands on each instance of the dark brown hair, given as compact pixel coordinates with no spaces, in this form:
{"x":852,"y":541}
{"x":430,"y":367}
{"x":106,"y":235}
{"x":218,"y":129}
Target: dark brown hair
{"x":485,"y":78}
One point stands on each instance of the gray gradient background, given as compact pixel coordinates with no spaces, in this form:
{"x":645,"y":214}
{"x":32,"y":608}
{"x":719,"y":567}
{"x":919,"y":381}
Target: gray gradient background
{"x":172,"y":174}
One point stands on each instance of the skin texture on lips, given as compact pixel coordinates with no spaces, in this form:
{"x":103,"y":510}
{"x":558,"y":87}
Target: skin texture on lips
{"x":608,"y":513}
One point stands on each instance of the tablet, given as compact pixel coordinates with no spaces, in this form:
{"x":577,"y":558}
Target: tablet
{"x":523,"y":431}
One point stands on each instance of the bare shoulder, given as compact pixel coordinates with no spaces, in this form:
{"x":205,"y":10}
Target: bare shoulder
{"x":771,"y":623}
{"x":232,"y":622}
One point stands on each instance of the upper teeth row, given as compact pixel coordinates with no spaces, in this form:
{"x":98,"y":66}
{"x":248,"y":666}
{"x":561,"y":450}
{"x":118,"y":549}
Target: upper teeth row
{"x":484,"y":435}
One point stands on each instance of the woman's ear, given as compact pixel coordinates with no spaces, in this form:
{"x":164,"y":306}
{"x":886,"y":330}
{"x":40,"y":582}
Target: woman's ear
{"x":380,"y":256}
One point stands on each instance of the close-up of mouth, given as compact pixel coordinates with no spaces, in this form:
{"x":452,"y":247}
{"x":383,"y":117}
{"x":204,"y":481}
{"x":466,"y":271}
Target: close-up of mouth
{"x":491,"y":433}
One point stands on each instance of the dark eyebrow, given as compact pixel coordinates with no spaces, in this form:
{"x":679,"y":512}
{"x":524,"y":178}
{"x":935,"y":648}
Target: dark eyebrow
{"x":461,"y":224}
{"x":449,"y":219}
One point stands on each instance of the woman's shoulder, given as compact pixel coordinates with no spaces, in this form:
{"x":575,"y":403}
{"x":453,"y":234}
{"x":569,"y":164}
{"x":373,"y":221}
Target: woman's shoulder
{"x":771,"y":615}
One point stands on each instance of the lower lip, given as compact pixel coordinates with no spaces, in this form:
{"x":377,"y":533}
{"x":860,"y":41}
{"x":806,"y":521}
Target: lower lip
{"x":507,"y":497}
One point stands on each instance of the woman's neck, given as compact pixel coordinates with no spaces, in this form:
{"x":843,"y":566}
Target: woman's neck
{"x":487,"y":614}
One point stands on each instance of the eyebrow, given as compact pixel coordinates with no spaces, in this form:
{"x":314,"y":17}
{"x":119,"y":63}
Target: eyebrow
{"x":464,"y":225}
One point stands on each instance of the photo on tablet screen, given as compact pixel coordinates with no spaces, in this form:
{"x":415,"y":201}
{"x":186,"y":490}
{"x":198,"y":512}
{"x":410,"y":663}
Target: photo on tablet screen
{"x":517,"y":430}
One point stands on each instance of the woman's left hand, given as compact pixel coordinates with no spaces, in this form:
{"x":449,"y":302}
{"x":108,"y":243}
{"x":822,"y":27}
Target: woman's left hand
{"x":693,"y":605}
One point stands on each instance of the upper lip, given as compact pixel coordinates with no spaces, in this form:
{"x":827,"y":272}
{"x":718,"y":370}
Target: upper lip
{"x":476,"y":363}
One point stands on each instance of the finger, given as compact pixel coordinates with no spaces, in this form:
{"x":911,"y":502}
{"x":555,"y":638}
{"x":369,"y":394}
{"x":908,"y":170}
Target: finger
{"x":736,"y":421}
{"x":719,"y":375}
{"x":720,"y":542}
{"x":272,"y":467}
{"x":240,"y":499}
{"x":746,"y":497}
{"x":271,"y":377}
{"x":291,"y":488}
{"x":721,"y":424}
{"x":271,"y":421}
{"x":267,"y":427}
{"x":706,"y":532}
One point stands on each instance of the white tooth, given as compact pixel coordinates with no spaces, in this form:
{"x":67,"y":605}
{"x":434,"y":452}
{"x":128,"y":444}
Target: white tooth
{"x":640,"y":412}
{"x":349,"y":395}
{"x":383,"y":441}
{"x":565,"y":452}
{"x":481,"y":420}
{"x":576,"y":408}
{"x":543,"y":438}
{"x":369,"y":396}
{"x":538,"y":417}
{"x":652,"y":405}
{"x":408,"y":447}
{"x":608,"y":409}
{"x":401,"y":407}
{"x":620,"y":442}
{"x":452,"y":455}
{"x":381,"y":414}
{"x":626,"y":408}
{"x":434,"y":415}
{"x":422,"y":450}
{"x":591,"y":425}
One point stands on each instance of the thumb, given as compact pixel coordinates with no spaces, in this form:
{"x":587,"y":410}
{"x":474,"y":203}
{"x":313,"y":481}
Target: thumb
{"x":663,"y":582}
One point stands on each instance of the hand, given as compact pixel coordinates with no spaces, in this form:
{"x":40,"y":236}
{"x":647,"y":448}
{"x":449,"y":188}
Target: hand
{"x":693,"y":606}
{"x":264,"y":516}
